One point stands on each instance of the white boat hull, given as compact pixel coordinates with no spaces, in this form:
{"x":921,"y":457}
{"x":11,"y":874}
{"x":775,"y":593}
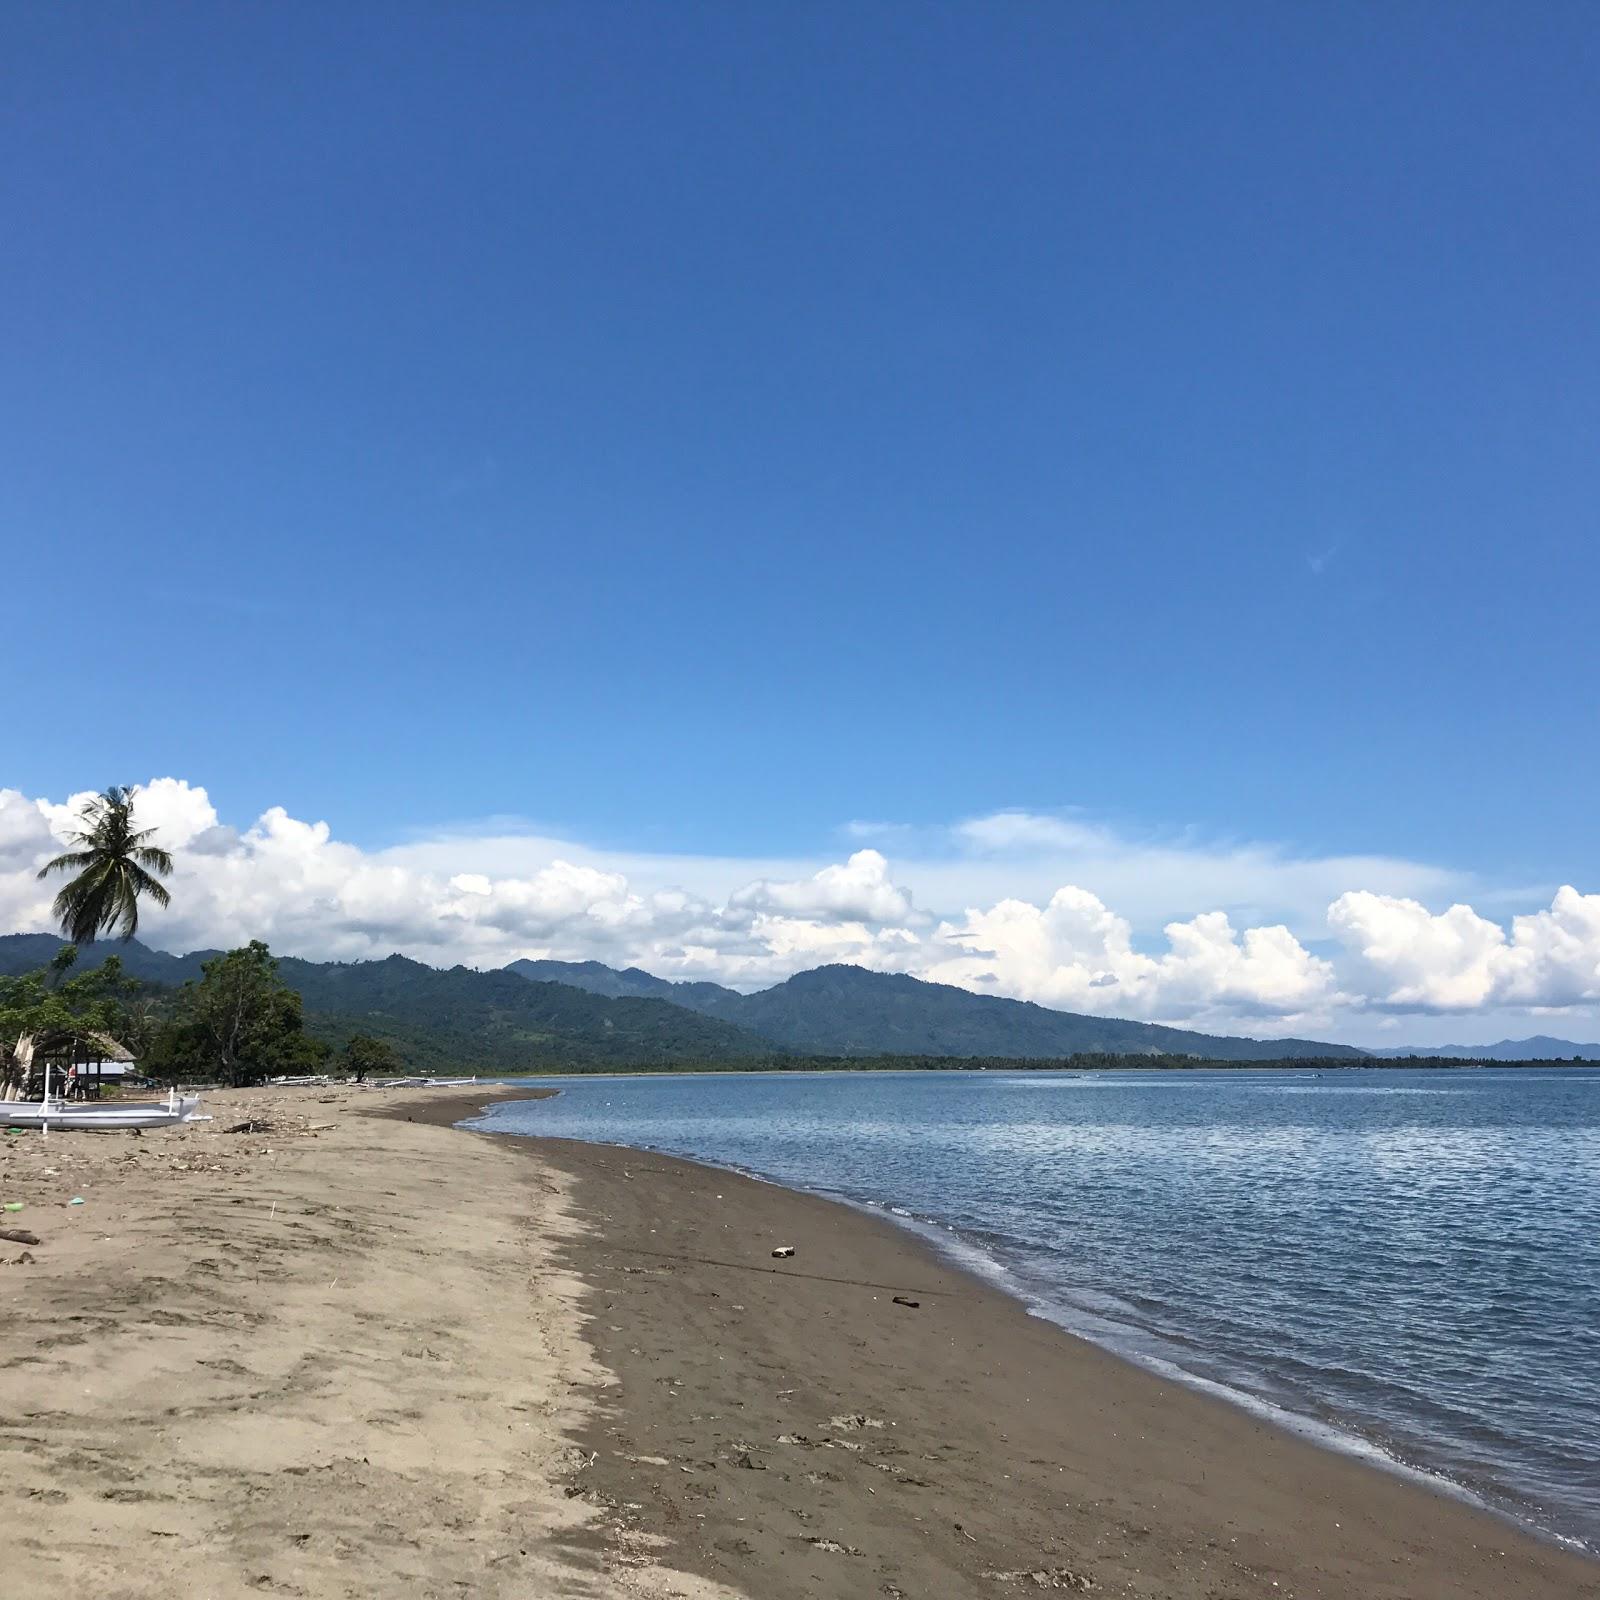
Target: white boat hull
{"x":97,"y":1118}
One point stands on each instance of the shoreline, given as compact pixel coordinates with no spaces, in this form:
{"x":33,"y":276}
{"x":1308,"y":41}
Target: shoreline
{"x":992,"y":1275}
{"x":1411,"y":1522}
{"x":1338,"y":1437}
{"x":335,"y":1349}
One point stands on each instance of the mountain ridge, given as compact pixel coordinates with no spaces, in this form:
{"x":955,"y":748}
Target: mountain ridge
{"x":450,"y":1017}
{"x":583,"y":1012}
{"x":843,"y":1010}
{"x":1539,"y":1047}
{"x":635,"y":982}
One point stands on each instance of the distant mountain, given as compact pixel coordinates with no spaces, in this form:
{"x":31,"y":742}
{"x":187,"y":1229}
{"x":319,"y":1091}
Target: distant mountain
{"x":842,"y":1010}
{"x":849,"y":1011}
{"x":597,"y":978}
{"x":505,"y":1022}
{"x":456,"y":1019}
{"x":1541,"y":1047}
{"x":535,"y":1015}
{"x":27,"y":952}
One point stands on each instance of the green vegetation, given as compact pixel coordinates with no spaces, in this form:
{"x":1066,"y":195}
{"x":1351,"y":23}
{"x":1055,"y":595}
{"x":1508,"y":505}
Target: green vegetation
{"x":241,"y":1016}
{"x":849,"y":1011}
{"x":1088,"y":1061}
{"x":364,"y":1057}
{"x":240,"y":1022}
{"x":47,"y":1000}
{"x":459,"y":1020}
{"x":113,"y":866}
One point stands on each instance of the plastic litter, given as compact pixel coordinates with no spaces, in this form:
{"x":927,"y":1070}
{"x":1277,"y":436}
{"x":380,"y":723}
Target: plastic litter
{"x":14,"y":1205}
{"x":783,"y":1252}
{"x":76,"y":1200}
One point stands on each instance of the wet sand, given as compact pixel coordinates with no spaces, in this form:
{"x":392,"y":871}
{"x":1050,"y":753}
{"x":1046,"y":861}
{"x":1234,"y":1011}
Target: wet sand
{"x":361,"y":1355}
{"x":792,"y":1430}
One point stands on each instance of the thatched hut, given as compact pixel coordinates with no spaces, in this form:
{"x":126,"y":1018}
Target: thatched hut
{"x":81,"y":1063}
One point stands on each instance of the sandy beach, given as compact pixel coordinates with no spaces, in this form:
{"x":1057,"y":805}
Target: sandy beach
{"x":356,"y":1355}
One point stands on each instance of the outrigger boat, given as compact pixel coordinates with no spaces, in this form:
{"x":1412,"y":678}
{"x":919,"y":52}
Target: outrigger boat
{"x":54,"y":1112}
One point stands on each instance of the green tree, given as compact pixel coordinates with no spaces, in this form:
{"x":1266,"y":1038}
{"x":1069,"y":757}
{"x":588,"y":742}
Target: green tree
{"x":113,"y":863}
{"x":46,"y":1001}
{"x":363,"y":1055}
{"x":240,"y":1022}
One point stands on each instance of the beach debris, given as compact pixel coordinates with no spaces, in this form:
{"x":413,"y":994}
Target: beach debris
{"x":19,"y":1236}
{"x":748,"y":1462}
{"x":855,"y":1420}
{"x":903,"y":1300}
{"x":76,"y":1200}
{"x":24,"y":1260}
{"x":783,"y":1252}
{"x":14,"y":1205}
{"x":253,"y":1125}
{"x":832,"y":1545}
{"x":1046,"y":1578}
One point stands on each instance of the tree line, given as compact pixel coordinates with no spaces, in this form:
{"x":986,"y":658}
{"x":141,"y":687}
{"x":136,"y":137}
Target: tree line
{"x":240,"y":1022}
{"x":237,"y":1024}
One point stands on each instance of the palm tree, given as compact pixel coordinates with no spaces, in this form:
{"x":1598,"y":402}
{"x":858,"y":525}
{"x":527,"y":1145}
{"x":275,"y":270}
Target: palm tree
{"x":111,"y":870}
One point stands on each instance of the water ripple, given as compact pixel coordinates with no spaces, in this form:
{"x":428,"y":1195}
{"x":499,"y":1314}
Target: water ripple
{"x":1413,"y":1257}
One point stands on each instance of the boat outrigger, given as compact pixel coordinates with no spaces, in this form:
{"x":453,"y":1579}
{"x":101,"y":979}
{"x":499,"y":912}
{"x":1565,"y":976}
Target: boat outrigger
{"x":98,"y":1117}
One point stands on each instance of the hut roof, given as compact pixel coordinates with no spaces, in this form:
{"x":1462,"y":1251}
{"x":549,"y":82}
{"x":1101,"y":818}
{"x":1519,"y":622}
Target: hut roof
{"x":51,"y":1040}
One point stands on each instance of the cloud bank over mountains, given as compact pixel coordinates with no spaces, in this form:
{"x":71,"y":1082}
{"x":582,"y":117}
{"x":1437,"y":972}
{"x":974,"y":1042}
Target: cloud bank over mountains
{"x":1041,"y":908}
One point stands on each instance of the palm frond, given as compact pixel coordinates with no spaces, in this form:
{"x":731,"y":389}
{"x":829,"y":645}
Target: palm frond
{"x":111,"y":870}
{"x":66,"y":863}
{"x":142,"y":883}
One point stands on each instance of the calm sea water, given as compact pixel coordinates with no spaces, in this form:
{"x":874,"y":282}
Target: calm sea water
{"x":1408,"y":1262}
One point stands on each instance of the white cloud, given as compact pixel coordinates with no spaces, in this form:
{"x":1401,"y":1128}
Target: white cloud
{"x":1410,"y":959}
{"x":859,"y":889}
{"x":1151,"y":877}
{"x":1071,"y":913}
{"x":179,"y":812}
{"x":24,"y":831}
{"x":1077,"y":955}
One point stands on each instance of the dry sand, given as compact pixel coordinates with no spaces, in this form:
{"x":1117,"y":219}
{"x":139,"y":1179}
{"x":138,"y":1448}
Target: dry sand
{"x":334,"y":1359}
{"x":371,"y":1357}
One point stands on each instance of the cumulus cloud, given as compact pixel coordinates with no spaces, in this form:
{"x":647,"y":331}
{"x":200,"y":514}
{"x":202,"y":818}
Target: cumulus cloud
{"x":1045,"y":917}
{"x":1076,"y":954}
{"x":1410,"y":959}
{"x":860,"y":890}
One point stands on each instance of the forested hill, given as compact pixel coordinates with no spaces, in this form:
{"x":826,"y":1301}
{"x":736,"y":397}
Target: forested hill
{"x":502,"y":1021}
{"x":849,"y":1011}
{"x":709,"y":998}
{"x":455,"y":1020}
{"x":27,"y":952}
{"x":517,"y":1019}
{"x":841,"y":1010}
{"x":1541,"y":1047}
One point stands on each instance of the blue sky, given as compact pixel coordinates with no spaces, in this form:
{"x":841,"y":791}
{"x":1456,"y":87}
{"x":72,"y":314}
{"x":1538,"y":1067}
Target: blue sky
{"x":696,"y":428}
